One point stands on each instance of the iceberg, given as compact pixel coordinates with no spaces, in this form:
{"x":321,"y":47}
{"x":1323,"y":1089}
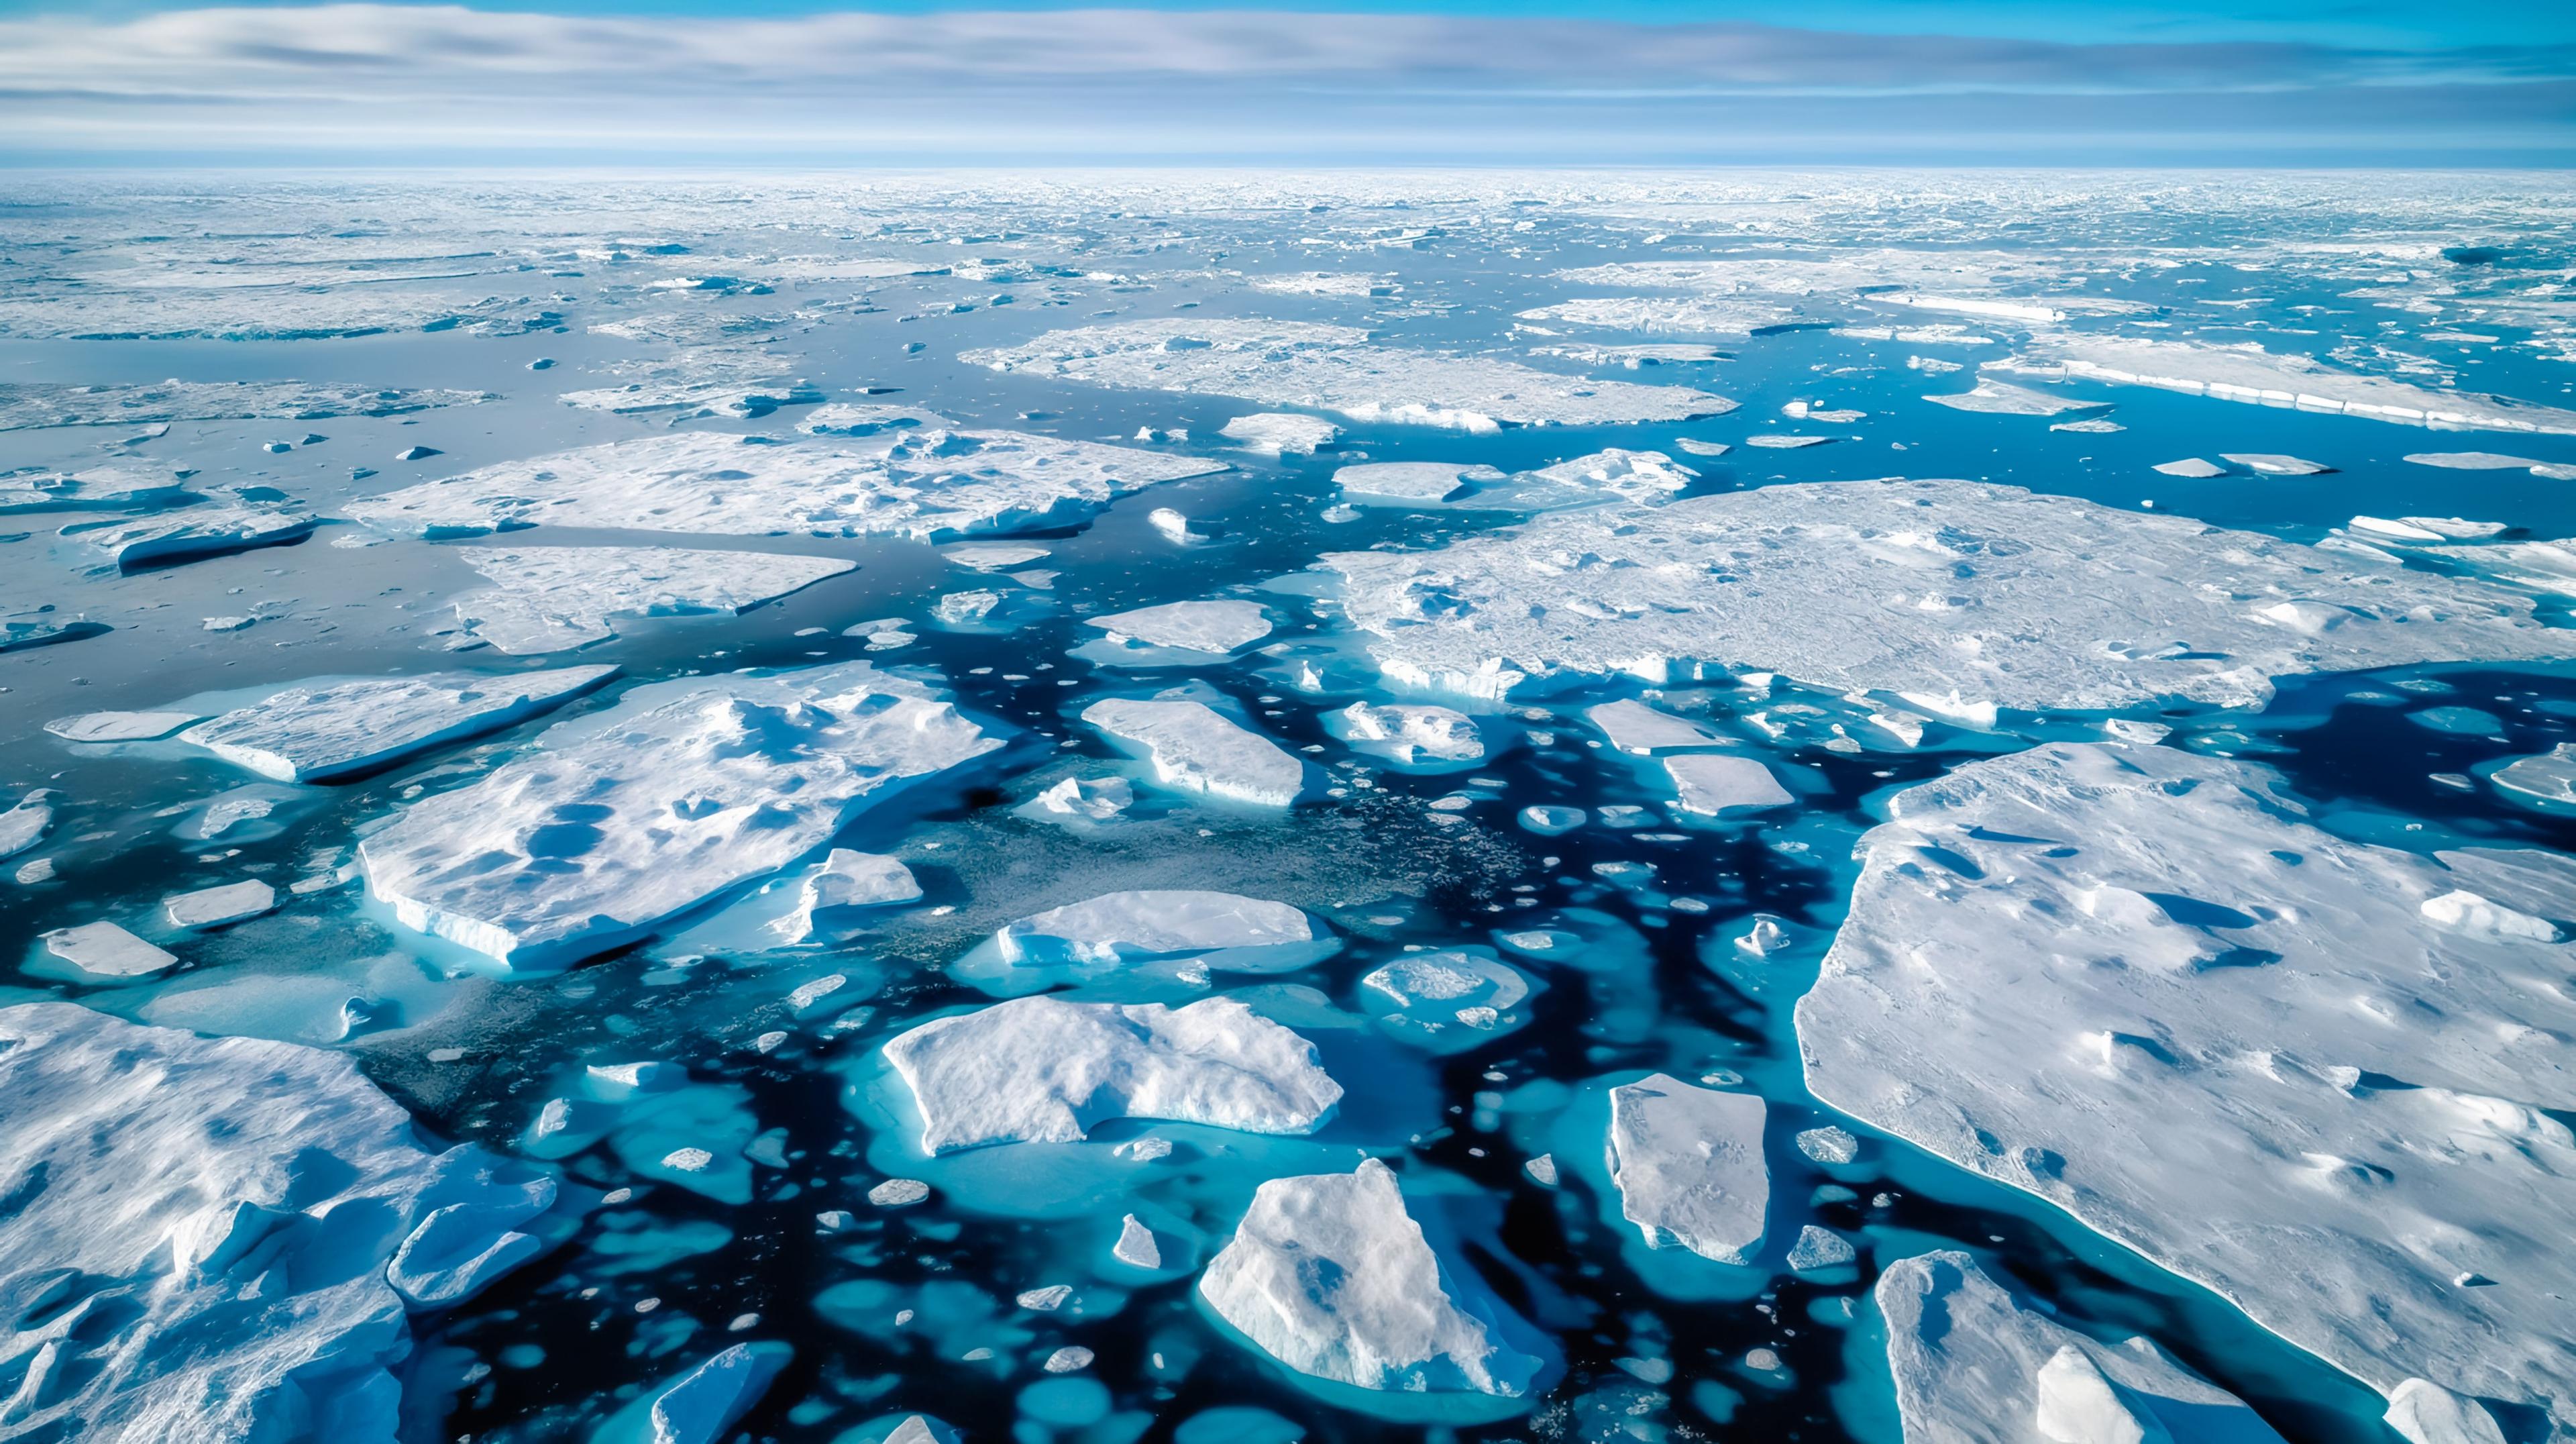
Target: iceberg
{"x":221,"y":1238}
{"x":1195,"y":748}
{"x":1212,"y":627}
{"x":1689,"y":1167}
{"x":934,"y":485}
{"x":552,"y":599}
{"x":1331,"y":1276}
{"x":1971,"y":1362}
{"x":614,"y":822}
{"x":2003,"y":597}
{"x":1337,"y":368}
{"x":2248,"y":373}
{"x":2122,"y":979}
{"x":1043,"y":1070}
{"x":339,"y":730}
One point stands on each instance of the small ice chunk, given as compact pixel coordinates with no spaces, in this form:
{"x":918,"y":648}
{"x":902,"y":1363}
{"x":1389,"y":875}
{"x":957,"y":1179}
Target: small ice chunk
{"x":1549,"y":821}
{"x":1776,"y":442}
{"x":1277,"y":433}
{"x":120,"y":726}
{"x":2002,"y":398}
{"x":1688,"y":1164}
{"x":1067,"y":1360}
{"x":993,"y":556}
{"x":1633,"y":726}
{"x":1136,"y":1247}
{"x":1216,"y":627}
{"x":1196,"y":748}
{"x":898,"y":1193}
{"x":1644,"y":477}
{"x":1094,"y":799}
{"x":2423,"y":1412}
{"x":701,"y":1404}
{"x":321,"y":734}
{"x":417,"y":453}
{"x":105,"y":950}
{"x":1828,"y":1144}
{"x":1819,"y":1248}
{"x":21,"y":825}
{"x":1329,"y":1275}
{"x":1697,"y":447}
{"x":1419,"y":481}
{"x":1174,"y":527}
{"x":1542,"y":1170}
{"x":2549,"y":778}
{"x":2191,"y":467}
{"x":216,"y":907}
{"x":1221,"y":930}
{"x":2271,"y":463}
{"x":201,"y":531}
{"x":1040,"y":1069}
{"x":1404,"y":732}
{"x":2472,"y":460}
{"x":1715,"y":784}
{"x":1045,"y":1300}
{"x":1448,"y":986}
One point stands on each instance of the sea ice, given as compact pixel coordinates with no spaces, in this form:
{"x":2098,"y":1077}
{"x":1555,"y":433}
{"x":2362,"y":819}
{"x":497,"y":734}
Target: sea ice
{"x":1331,"y":1276}
{"x":1966,"y":594}
{"x":1196,"y":748}
{"x":120,"y":726}
{"x":1040,"y":1069}
{"x":1214,"y":627}
{"x":1632,"y":726}
{"x":2272,"y":463}
{"x":2249,"y":373}
{"x":1281,"y":433}
{"x":847,"y":879}
{"x":2123,"y":979}
{"x":216,"y":907}
{"x":1971,"y":1363}
{"x":2002,"y":398}
{"x":2549,"y":777}
{"x":104,"y":950}
{"x":1715,"y":784}
{"x":702,"y":1402}
{"x":1212,"y":931}
{"x":98,"y":489}
{"x":1404,"y":732}
{"x":22,"y":824}
{"x":23,"y":407}
{"x":219,"y":1238}
{"x":341,"y":729}
{"x":1688,"y":1163}
{"x":1136,"y":1247}
{"x":1338,"y":368}
{"x":202,"y":531}
{"x":1415,"y":481}
{"x":613,"y":822}
{"x":552,"y":599}
{"x":2191,"y":468}
{"x":1446,"y":997}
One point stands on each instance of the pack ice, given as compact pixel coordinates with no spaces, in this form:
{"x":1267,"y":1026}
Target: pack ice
{"x":614,"y":822}
{"x":1044,"y":1070}
{"x":1965,"y":595}
{"x":1329,"y":1275}
{"x":932,"y":484}
{"x":551,"y":599}
{"x":1338,"y":368}
{"x":220,"y":1238}
{"x":1196,"y":748}
{"x":2125,"y":980}
{"x":2248,"y":373}
{"x":1971,"y":1363}
{"x":340,"y":729}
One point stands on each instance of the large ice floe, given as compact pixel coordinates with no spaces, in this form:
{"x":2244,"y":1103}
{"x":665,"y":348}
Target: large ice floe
{"x":1184,"y":932}
{"x":1331,"y":1276}
{"x":1044,"y":1070}
{"x":1216,"y":627}
{"x":551,"y":599}
{"x":340,"y":729}
{"x":2127,"y":980}
{"x":25,"y":407}
{"x":2251,"y":374}
{"x":199,"y":531}
{"x":1689,"y":1168}
{"x":932,"y":484}
{"x":1338,"y":368}
{"x":1971,"y":1363}
{"x":1966,"y":595}
{"x":614,"y":822}
{"x":221,"y":1238}
{"x":1194,"y":747}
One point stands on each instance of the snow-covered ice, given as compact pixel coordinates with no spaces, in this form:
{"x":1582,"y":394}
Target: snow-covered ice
{"x":120,"y":726}
{"x":215,"y":907}
{"x":340,"y":729}
{"x":2248,"y":373}
{"x":1196,"y":748}
{"x":1632,"y":726}
{"x":1402,"y":481}
{"x":1407,"y":732}
{"x":1216,"y":627}
{"x":105,"y":950}
{"x":552,"y":599}
{"x":1281,"y":433}
{"x":1689,"y":1168}
{"x":1715,"y":784}
{"x":202,"y":531}
{"x":1209,"y":931}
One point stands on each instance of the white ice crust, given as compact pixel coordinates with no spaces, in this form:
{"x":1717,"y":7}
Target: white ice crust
{"x":1281,"y":433}
{"x":1337,"y":368}
{"x":1688,"y":1163}
{"x":2001,"y":596}
{"x":1330,"y":1276}
{"x":317,"y":734}
{"x":2126,"y":980}
{"x":105,"y":950}
{"x":1215,"y":627}
{"x":1043,"y":1070}
{"x":1411,"y":480}
{"x":1227,"y":931}
{"x":1632,"y":726}
{"x":552,"y":599}
{"x":612,"y":823}
{"x":930,"y":484}
{"x":1715,"y":784}
{"x":1971,"y":1363}
{"x":219,"y":1238}
{"x":2248,"y":373}
{"x":1405,"y":731}
{"x":214,"y":907}
{"x":1196,"y":748}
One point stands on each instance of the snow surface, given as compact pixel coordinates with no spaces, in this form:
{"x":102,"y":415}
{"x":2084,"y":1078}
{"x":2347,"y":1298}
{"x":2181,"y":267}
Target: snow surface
{"x":2248,"y":373}
{"x":551,"y":599}
{"x":614,"y":822}
{"x":1043,"y":1070}
{"x":1337,"y":368}
{"x":847,"y":879}
{"x":1410,"y":480}
{"x":1981,"y":594}
{"x":930,"y":484}
{"x":1331,"y":1276}
{"x":1222,"y":930}
{"x":215,"y":907}
{"x":1632,"y":726}
{"x":2546,"y":777}
{"x":120,"y":726}
{"x":1714,"y":785}
{"x":1688,"y":1163}
{"x":104,"y":950}
{"x":200,"y":531}
{"x":219,"y":1238}
{"x":1215,"y":627}
{"x":1972,"y":1364}
{"x":23,"y":407}
{"x":1281,"y":433}
{"x":340,"y":729}
{"x":2124,"y":980}
{"x":1405,"y":732}
{"x":1196,"y":748}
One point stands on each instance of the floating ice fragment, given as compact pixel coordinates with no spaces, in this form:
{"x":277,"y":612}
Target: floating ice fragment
{"x":1195,"y":748}
{"x":120,"y":726}
{"x":325,"y":733}
{"x":847,"y":879}
{"x":699,"y":1405}
{"x":992,"y":556}
{"x":2248,"y":373}
{"x":1215,"y":627}
{"x":1714,"y":784}
{"x":1222,"y":931}
{"x":2002,"y":398}
{"x":199,"y":532}
{"x":1776,"y":442}
{"x":2273,"y":463}
{"x":1645,"y":477}
{"x":2426,"y":1413}
{"x":216,"y":907}
{"x":1402,"y":732}
{"x":2191,"y":467}
{"x":1410,"y":480}
{"x":898,"y":1193}
{"x":99,"y":489}
{"x":2548,"y":779}
{"x":2472,"y":460}
{"x":1046,"y":1300}
{"x":1688,"y":1164}
{"x":1828,"y":1144}
{"x":1173,"y":527}
{"x":1066,"y":1360}
{"x":1552,"y":821}
{"x":104,"y":950}
{"x":1281,"y":433}
{"x":1136,"y":1247}
{"x":1633,"y":726}
{"x":1818,"y":1249}
{"x":1697,"y":447}
{"x":552,"y":599}
{"x":1092,"y":799}
{"x":1542,"y":1170}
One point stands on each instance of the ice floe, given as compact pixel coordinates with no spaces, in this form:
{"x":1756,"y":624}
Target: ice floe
{"x":2548,"y":779}
{"x":2122,"y":979}
{"x":105,"y":950}
{"x":99,"y":727}
{"x":23,"y":407}
{"x":1407,"y":732}
{"x":614,"y":822}
{"x":1196,"y":748}
{"x":551,"y":599}
{"x":1999,"y":398}
{"x":215,"y":907}
{"x":1632,"y":726}
{"x":846,"y":879}
{"x":1215,"y":627}
{"x":202,"y":531}
{"x":1689,"y":1168}
{"x":1281,"y":433}
{"x":1714,"y":785}
{"x":340,"y":729}
{"x":1402,"y":481}
{"x":700,"y":1403}
{"x":1184,"y":931}
{"x":1969,"y":594}
{"x":1040,"y":1069}
{"x":2248,"y":373}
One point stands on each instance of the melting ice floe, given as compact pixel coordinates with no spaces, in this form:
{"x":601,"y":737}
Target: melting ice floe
{"x":550,"y":599}
{"x":1044,"y":1070}
{"x":1403,"y":481}
{"x":1970,"y":1362}
{"x":1329,"y":1275}
{"x":200,"y":531}
{"x":1196,"y":748}
{"x":2123,"y":979}
{"x":1689,"y":1167}
{"x":1183,"y":932}
{"x":1968,"y":595}
{"x":1213,"y":627}
{"x":341,"y":729}
{"x":220,"y":1238}
{"x":2002,"y":399}
{"x":612,"y":823}
{"x":1337,"y":368}
{"x":1281,"y":433}
{"x":1407,"y":733}
{"x":23,"y":407}
{"x":2251,"y":374}
{"x":929,"y":484}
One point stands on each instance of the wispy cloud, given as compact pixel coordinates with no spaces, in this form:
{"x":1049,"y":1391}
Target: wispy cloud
{"x":360,"y":74}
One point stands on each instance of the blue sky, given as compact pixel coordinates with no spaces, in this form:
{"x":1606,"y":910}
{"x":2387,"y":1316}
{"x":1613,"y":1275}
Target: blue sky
{"x":1618,"y":81}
